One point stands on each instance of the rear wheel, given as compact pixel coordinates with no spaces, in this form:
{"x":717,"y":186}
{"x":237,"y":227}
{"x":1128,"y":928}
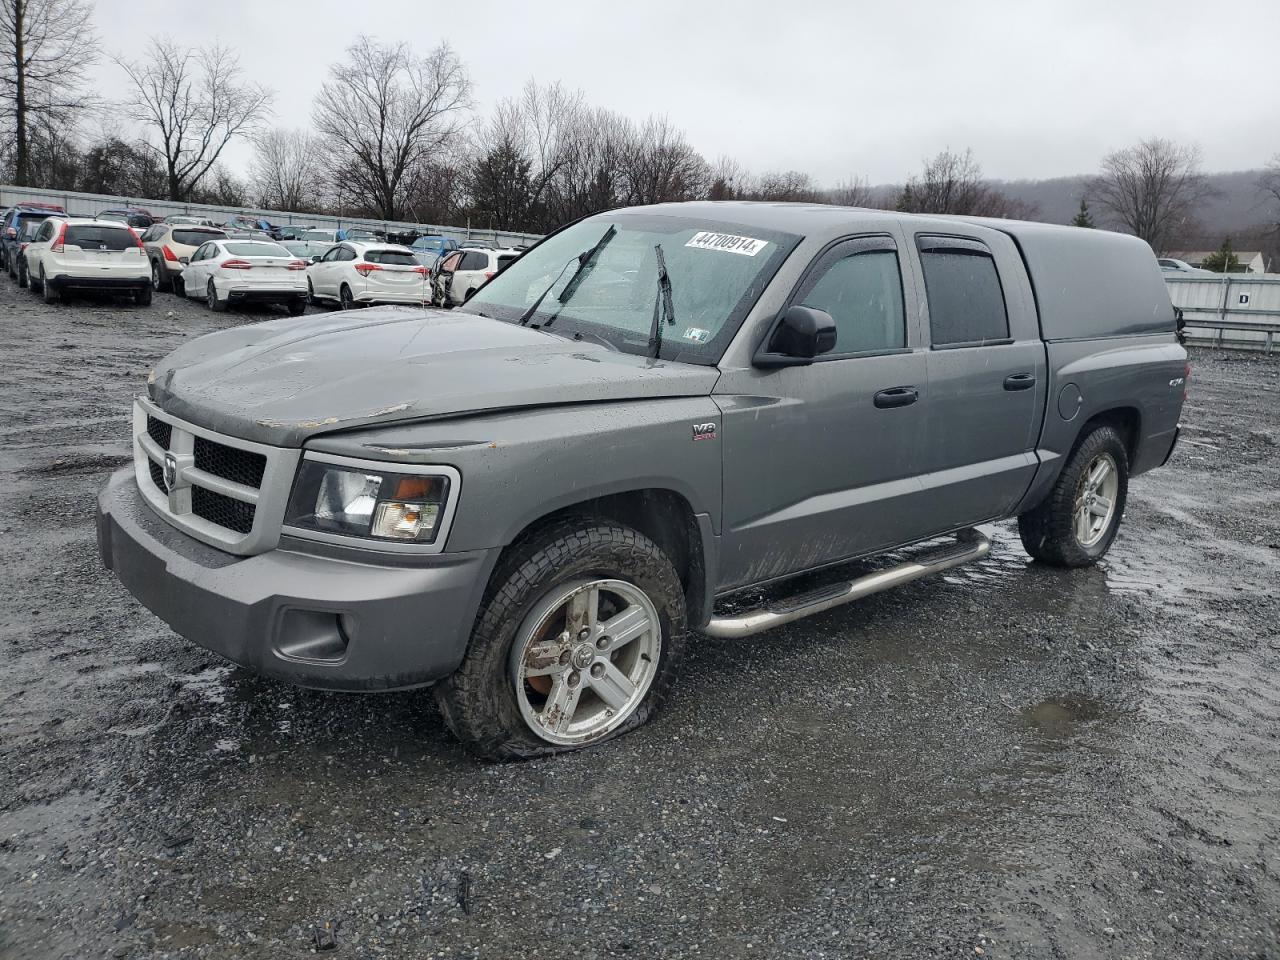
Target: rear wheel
{"x":1076,"y":524}
{"x":48,"y":292}
{"x":23,"y":279}
{"x":578,"y":641}
{"x":160,"y":279}
{"x":143,"y":297}
{"x":345,"y":299}
{"x":211,"y":296}
{"x":297,"y":307}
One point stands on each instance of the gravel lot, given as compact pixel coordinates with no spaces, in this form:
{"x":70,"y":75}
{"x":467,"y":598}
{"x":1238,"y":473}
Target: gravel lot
{"x":1012,"y":761}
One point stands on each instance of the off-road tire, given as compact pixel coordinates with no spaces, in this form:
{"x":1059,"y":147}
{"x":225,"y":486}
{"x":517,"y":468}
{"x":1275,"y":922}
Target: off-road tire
{"x":1048,"y":530}
{"x":479,"y":701}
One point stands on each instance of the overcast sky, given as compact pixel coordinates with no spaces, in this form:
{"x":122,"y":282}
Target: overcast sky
{"x":837,"y":89}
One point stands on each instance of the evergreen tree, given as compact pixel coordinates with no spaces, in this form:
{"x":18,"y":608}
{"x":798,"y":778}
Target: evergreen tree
{"x":1084,"y":218}
{"x":1223,"y":261}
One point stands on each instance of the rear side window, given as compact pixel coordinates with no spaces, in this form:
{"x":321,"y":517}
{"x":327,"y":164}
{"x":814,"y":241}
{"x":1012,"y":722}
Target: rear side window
{"x":862,"y":290}
{"x":393,"y":257}
{"x":100,"y":238}
{"x":474,"y":260}
{"x":966,"y":302}
{"x":505,"y":260}
{"x":193,"y":238}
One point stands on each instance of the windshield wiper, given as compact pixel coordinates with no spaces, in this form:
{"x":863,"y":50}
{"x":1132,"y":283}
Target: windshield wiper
{"x":663,"y":301}
{"x":584,"y":258}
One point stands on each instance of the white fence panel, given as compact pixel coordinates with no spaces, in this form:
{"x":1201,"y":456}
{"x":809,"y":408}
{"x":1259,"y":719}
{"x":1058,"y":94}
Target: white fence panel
{"x":1252,"y":299}
{"x":88,"y":204}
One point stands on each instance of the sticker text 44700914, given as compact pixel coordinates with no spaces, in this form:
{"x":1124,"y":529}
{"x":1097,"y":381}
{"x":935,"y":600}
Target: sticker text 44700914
{"x":727,"y":243}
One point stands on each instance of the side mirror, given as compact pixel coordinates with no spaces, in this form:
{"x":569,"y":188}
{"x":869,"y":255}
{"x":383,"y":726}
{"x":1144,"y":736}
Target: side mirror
{"x":801,"y":334}
{"x":184,"y":260}
{"x":316,"y":258}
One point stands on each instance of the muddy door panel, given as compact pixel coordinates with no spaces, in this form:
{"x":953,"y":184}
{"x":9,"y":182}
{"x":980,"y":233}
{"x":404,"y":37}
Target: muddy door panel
{"x":815,"y":468}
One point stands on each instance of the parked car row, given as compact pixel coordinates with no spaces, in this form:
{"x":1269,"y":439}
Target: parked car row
{"x":53,"y":253}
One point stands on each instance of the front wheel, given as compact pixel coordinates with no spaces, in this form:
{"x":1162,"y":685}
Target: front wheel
{"x":1077,"y":522}
{"x":578,"y":641}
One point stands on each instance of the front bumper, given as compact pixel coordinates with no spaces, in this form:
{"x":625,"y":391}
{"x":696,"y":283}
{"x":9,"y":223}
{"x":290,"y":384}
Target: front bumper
{"x":330,"y":622}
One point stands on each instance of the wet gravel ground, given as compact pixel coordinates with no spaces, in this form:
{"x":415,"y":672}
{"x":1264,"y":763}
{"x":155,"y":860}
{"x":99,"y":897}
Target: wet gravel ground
{"x":1011,"y":761}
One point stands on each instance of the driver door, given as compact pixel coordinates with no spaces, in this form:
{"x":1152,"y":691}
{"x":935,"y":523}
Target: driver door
{"x":821,"y":461}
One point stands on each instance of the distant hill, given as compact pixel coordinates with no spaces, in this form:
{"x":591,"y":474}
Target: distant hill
{"x":1237,"y":206}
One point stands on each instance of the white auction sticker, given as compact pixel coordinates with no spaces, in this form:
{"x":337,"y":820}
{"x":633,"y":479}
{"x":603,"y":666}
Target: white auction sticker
{"x":747,"y":246}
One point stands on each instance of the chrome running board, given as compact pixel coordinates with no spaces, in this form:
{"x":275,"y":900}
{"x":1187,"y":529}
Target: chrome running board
{"x":970,"y":545}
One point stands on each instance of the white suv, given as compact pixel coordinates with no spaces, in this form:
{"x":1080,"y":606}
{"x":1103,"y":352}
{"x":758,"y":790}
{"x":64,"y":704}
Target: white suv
{"x":356,"y":273}
{"x":79,"y":254}
{"x":464,"y":271}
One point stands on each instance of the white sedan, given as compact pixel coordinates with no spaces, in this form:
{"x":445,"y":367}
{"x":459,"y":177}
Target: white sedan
{"x":356,"y":273}
{"x":240,"y":271}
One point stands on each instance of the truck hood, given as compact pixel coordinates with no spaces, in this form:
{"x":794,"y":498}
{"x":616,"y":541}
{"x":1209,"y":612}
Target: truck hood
{"x":286,"y":380}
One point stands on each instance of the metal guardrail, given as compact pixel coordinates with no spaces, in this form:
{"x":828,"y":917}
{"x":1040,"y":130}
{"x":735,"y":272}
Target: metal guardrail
{"x":89,"y":204}
{"x":1244,"y":305}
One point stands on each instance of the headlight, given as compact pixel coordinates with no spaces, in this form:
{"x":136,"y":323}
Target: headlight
{"x":367,"y":502}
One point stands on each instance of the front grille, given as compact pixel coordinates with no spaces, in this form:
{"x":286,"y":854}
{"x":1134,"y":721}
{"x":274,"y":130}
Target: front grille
{"x":159,"y":431}
{"x":229,"y":463}
{"x":224,"y":511}
{"x":157,"y":475}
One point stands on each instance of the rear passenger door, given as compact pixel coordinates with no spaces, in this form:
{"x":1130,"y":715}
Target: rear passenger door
{"x":986,"y":373}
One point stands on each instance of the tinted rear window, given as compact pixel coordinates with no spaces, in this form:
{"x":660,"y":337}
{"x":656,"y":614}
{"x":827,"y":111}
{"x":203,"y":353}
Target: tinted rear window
{"x":26,"y":217}
{"x":966,"y":302}
{"x":506,"y":258}
{"x":472,"y":260}
{"x":256,"y":250}
{"x":100,"y":238}
{"x":193,"y":238}
{"x":391,"y":257}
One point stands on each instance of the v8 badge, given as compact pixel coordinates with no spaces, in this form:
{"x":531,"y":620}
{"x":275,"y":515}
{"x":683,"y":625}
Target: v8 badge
{"x":704,"y":431}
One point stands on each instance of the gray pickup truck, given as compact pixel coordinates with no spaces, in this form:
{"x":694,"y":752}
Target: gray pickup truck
{"x":528,"y":503}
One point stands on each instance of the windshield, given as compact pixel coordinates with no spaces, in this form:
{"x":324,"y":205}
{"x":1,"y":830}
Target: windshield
{"x":717,"y":270}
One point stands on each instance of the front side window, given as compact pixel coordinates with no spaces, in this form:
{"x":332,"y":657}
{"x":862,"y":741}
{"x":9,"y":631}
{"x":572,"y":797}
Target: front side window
{"x":862,"y":290}
{"x":966,"y":301}
{"x":600,"y":277}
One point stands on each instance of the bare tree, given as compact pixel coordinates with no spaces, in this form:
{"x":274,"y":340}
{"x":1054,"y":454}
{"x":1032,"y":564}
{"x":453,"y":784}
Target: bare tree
{"x":1269,"y":184}
{"x":725,"y":179}
{"x":951,"y":183}
{"x":793,"y":185}
{"x":286,"y":173}
{"x":194,"y":100}
{"x":661,"y":166}
{"x":384,"y":111}
{"x":45,"y":48}
{"x":854,"y":192}
{"x":1152,"y":189}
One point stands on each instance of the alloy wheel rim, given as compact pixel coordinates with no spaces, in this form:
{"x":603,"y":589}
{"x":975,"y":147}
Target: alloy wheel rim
{"x":584,"y":658}
{"x":1096,"y":500}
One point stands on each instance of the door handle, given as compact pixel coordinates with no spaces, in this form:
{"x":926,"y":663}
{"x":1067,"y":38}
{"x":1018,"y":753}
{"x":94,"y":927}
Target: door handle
{"x":1020,"y":381}
{"x":896,"y":397}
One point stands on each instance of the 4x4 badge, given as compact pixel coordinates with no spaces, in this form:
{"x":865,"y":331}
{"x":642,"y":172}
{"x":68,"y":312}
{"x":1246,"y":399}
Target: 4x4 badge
{"x":704,"y":431}
{"x":170,"y":471}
